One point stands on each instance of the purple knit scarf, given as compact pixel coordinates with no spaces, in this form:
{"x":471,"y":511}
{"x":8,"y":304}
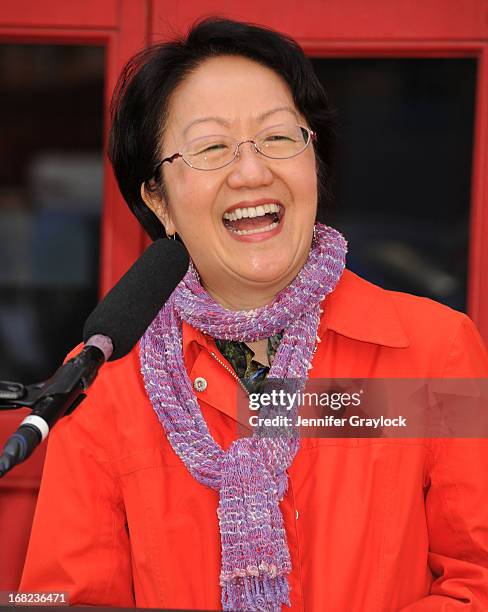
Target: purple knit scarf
{"x":251,"y":475}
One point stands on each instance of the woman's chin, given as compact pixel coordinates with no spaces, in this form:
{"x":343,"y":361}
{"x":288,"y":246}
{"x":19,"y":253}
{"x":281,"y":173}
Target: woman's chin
{"x":261,"y":272}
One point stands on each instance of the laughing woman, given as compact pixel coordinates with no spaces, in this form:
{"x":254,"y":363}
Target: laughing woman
{"x":223,"y":139}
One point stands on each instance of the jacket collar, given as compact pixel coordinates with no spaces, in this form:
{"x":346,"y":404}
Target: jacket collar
{"x":356,"y":309}
{"x":362,"y":311}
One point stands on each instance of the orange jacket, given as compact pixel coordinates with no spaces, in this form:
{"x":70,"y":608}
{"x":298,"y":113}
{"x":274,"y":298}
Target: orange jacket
{"x":372,"y":524}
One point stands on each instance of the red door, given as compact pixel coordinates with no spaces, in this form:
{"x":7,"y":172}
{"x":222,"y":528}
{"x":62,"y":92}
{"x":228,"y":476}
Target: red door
{"x":114,"y":29}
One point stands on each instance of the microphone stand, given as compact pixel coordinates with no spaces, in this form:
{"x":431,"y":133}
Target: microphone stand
{"x":49,"y":400}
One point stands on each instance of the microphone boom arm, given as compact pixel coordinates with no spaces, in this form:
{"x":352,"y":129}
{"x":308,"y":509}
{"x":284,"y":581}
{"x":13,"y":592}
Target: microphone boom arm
{"x":15,"y":395}
{"x":49,"y":401}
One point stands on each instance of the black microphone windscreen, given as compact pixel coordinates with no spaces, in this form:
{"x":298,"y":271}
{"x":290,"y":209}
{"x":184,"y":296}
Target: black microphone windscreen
{"x":131,"y":305}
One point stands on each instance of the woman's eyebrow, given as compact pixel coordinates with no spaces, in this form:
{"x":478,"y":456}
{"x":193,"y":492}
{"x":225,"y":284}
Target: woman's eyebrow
{"x":226,"y":124}
{"x":267,"y":114}
{"x":220,"y":120}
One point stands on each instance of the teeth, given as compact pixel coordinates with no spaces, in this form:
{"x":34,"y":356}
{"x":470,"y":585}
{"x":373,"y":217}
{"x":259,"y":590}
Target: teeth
{"x":268,"y":228}
{"x":257,"y":211}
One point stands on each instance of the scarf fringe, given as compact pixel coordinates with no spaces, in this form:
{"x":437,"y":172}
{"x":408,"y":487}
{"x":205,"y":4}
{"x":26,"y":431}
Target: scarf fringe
{"x":255,"y":594}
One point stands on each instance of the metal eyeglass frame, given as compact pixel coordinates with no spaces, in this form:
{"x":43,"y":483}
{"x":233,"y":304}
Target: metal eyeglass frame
{"x":312,"y":137}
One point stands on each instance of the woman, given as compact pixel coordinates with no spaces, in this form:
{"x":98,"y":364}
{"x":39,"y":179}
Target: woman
{"x":148,"y":498}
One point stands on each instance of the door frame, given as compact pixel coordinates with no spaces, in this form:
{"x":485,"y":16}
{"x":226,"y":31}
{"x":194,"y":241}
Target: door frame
{"x":122,"y":27}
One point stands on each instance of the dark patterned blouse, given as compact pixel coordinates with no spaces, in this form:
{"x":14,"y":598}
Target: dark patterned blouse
{"x":240,"y":357}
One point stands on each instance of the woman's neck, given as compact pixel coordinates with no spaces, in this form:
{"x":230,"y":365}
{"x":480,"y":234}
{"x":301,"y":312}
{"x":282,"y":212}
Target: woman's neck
{"x":244,"y":302}
{"x":244,"y":298}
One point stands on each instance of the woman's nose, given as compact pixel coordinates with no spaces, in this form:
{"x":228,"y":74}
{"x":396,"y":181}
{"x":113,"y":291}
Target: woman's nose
{"x":249,"y":168}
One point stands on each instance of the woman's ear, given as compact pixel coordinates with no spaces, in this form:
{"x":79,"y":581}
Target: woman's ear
{"x":155,"y":202}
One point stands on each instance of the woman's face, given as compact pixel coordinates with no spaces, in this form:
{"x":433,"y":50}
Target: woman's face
{"x":237,"y":97}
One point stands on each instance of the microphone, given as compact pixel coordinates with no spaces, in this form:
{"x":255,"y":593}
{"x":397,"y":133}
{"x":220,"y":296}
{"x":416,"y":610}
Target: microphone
{"x":109,"y":333}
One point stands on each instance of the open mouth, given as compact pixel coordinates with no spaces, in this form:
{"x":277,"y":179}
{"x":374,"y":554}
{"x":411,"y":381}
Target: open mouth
{"x":254,"y":220}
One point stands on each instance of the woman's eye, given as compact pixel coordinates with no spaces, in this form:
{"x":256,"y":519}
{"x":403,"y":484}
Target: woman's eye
{"x":218,"y":146}
{"x":277,"y":138}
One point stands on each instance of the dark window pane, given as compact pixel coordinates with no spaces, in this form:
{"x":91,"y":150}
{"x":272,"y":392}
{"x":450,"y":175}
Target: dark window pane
{"x":51,"y":171}
{"x":403,"y":170}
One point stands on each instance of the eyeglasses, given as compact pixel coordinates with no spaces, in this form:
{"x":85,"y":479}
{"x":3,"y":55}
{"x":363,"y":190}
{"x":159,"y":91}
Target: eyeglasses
{"x":214,"y":152}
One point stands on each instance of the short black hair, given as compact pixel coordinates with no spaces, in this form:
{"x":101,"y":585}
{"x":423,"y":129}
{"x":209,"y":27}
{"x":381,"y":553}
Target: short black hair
{"x":140,"y":101}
